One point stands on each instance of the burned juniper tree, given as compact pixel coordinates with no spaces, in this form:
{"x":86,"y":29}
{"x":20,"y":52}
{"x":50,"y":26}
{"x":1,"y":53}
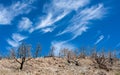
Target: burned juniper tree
{"x":23,"y":54}
{"x":51,"y":53}
{"x":38,"y":50}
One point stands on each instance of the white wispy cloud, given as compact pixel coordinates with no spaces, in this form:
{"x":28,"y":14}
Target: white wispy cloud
{"x":45,"y":30}
{"x":81,"y":21}
{"x":49,"y":20}
{"x":99,"y":39}
{"x":70,"y":4}
{"x":7,"y":14}
{"x":58,"y":9}
{"x":45,"y":22}
{"x":16,"y":39}
{"x":66,"y":5}
{"x":25,"y":25}
{"x":59,"y":45}
{"x":12,"y":43}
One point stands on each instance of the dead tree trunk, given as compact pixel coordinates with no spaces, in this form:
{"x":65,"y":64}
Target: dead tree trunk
{"x":22,"y":63}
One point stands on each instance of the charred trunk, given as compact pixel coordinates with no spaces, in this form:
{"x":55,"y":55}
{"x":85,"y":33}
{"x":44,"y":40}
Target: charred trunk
{"x":22,"y":63}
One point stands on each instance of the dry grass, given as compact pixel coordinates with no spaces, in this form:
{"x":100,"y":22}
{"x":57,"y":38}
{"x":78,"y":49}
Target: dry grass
{"x":54,"y":66}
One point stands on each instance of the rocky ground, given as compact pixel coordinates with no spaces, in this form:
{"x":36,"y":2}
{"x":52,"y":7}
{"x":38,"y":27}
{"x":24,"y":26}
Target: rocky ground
{"x":55,"y":66}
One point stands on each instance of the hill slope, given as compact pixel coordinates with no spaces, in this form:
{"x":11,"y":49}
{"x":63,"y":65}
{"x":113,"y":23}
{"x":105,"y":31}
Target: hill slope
{"x":55,"y":66}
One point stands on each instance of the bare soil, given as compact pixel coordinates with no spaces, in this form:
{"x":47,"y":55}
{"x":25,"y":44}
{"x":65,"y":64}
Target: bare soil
{"x":55,"y":66}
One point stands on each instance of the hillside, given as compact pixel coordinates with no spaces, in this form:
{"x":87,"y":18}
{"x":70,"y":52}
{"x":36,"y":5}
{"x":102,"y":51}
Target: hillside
{"x":55,"y":66}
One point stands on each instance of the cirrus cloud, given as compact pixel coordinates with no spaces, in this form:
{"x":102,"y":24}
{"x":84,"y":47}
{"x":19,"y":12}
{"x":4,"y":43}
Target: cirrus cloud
{"x":81,"y":21}
{"x":16,"y":39}
{"x":58,"y":10}
{"x":25,"y":25}
{"x":7,"y":14}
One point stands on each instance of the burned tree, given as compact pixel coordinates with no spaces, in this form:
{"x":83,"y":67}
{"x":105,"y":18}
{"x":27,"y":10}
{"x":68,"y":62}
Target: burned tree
{"x":101,"y":61}
{"x":69,"y":55}
{"x":51,"y":54}
{"x":12,"y":53}
{"x":38,"y":50}
{"x":110,"y":58}
{"x":82,"y":53}
{"x":76,"y":52}
{"x":64,"y":52}
{"x":93,"y":53}
{"x":23,"y":54}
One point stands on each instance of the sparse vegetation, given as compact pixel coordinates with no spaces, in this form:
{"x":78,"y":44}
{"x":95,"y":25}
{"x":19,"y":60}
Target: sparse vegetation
{"x":69,"y":62}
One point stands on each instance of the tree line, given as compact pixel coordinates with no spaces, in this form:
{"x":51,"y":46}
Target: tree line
{"x":23,"y":54}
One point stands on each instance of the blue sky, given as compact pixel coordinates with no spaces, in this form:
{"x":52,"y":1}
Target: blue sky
{"x":60,"y":23}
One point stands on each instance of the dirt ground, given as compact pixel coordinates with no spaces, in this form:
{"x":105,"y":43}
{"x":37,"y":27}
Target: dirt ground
{"x":55,"y":66}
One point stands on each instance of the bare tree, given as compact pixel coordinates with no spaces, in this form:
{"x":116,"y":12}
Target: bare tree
{"x":101,"y":61}
{"x":82,"y":53}
{"x":69,"y":55}
{"x":64,"y":52}
{"x":51,"y":54}
{"x":93,"y":53}
{"x":38,"y":50}
{"x":77,"y":52}
{"x":23,"y":53}
{"x":12,"y":53}
{"x":110,"y":58}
